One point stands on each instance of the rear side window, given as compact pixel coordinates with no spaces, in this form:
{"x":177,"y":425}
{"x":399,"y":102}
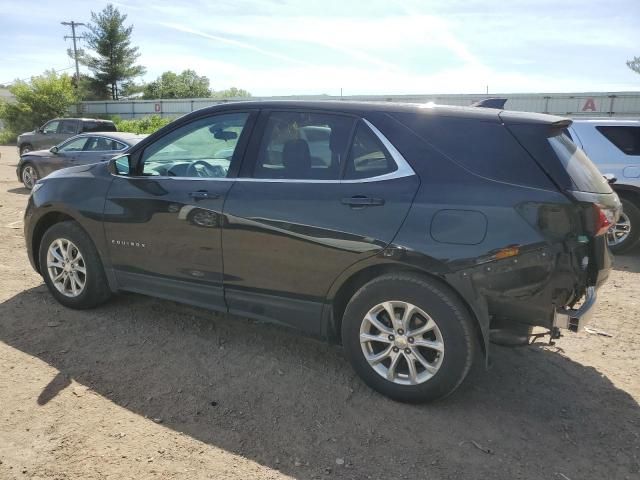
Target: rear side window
{"x":98,"y":127}
{"x":627,"y":139}
{"x":303,"y":146}
{"x":102,"y":144}
{"x":68,"y":126}
{"x":367,"y":158}
{"x":582,"y":171}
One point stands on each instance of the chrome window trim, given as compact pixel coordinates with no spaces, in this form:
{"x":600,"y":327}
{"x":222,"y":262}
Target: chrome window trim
{"x":89,"y":135}
{"x":403,"y":170}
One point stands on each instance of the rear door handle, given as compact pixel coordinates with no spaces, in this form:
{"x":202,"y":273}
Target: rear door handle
{"x":360,"y":201}
{"x":203,"y":194}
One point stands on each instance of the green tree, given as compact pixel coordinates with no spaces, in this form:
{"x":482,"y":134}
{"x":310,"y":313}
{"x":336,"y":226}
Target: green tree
{"x":184,"y":85}
{"x":232,"y":92}
{"x":38,"y":100}
{"x":115,"y":58}
{"x":634,"y":64}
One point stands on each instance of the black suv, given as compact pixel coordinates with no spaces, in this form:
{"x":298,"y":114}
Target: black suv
{"x":411,"y":235}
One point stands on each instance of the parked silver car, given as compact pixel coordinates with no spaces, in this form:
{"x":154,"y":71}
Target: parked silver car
{"x":82,"y":149}
{"x":614,"y":146}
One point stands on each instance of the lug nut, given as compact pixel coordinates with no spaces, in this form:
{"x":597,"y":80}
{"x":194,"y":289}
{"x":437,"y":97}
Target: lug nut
{"x":407,"y":351}
{"x":400,"y":331}
{"x":410,"y":340}
{"x":391,"y":338}
{"x":396,"y":349}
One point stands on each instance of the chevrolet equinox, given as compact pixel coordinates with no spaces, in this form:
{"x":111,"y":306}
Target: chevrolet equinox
{"x":411,"y":234}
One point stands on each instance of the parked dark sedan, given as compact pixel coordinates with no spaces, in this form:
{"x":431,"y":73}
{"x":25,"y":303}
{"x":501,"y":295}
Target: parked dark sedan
{"x":411,"y":235}
{"x":82,"y":149}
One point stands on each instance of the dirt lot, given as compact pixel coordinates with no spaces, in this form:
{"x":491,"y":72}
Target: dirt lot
{"x":142,"y":388}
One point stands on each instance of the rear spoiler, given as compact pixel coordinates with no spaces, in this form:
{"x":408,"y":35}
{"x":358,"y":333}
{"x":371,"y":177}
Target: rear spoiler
{"x":491,"y":103}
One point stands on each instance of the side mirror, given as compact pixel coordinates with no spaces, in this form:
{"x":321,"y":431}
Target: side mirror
{"x":54,"y":150}
{"x":119,"y":165}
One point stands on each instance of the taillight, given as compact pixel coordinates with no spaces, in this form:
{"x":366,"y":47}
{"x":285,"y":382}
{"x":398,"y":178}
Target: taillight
{"x":605,"y":218}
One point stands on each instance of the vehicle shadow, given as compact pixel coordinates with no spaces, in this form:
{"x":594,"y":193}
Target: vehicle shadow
{"x":293,"y":403}
{"x":19,"y":190}
{"x":630,"y":262}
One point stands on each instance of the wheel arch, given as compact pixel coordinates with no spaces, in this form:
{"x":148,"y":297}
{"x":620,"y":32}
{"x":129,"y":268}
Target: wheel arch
{"x":344,"y":290}
{"x":44,"y":223}
{"x":628,"y":192}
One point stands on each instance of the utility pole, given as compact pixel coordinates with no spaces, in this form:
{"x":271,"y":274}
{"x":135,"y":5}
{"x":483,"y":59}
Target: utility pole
{"x":75,"y":47}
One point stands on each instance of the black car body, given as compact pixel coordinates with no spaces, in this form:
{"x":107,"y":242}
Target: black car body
{"x":474,"y":208}
{"x":82,"y":149}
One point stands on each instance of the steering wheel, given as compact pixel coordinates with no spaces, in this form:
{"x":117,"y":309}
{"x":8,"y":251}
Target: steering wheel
{"x":200,"y":168}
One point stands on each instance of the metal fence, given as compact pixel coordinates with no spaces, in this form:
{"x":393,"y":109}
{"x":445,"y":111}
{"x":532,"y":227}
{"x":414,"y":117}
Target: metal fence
{"x":608,"y":104}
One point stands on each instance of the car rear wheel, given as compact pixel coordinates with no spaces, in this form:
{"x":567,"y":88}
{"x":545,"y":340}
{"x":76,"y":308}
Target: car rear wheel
{"x":29,"y":176}
{"x":71,"y":267}
{"x":409,"y":337}
{"x":25,"y":149}
{"x":624,"y":235}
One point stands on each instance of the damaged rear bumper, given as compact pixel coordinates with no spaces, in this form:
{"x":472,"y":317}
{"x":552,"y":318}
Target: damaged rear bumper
{"x":575,"y":319}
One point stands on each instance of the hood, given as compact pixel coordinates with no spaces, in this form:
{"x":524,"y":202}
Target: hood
{"x":78,"y":171}
{"x":38,"y":153}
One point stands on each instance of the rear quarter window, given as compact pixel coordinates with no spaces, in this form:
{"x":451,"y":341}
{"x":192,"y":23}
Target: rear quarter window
{"x":98,"y":127}
{"x":487,"y":149}
{"x":626,"y":138}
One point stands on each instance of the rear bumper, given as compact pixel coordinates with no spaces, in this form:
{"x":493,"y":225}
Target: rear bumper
{"x":575,"y":319}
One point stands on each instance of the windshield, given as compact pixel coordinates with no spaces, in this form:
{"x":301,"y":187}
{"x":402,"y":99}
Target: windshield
{"x":580,"y":168}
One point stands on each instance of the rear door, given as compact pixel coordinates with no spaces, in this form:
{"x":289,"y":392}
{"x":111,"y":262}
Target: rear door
{"x":300,"y":214}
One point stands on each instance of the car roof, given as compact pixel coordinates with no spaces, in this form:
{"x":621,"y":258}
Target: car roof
{"x":125,"y":137}
{"x":98,"y":120}
{"x":360,"y":107}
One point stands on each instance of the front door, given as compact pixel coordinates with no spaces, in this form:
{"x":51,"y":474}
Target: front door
{"x":318,"y":193}
{"x":163,"y":222}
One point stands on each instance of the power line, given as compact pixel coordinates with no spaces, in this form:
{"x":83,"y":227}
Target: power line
{"x":27,"y":78}
{"x":75,"y":48}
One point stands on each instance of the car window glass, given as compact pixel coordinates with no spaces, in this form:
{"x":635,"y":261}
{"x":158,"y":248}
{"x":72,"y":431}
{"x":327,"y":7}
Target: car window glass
{"x":202,"y":148}
{"x":75,"y":145}
{"x":367,"y":158}
{"x":67,"y":126}
{"x":303,"y":146}
{"x":51,"y":127}
{"x":627,"y":139}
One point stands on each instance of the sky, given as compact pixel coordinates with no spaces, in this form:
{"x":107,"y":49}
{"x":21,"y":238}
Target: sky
{"x":289,"y":47}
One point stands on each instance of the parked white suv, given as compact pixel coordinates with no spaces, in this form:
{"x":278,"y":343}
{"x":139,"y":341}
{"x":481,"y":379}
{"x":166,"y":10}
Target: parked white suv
{"x":614,"y":146}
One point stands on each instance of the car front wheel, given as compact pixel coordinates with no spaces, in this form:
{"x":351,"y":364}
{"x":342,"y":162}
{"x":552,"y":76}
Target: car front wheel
{"x":409,"y":337}
{"x":29,"y":176}
{"x":71,"y":267}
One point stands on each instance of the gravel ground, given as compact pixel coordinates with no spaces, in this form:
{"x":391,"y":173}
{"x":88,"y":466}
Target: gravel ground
{"x":143,"y":388}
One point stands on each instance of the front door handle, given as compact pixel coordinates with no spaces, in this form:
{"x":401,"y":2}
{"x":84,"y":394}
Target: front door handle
{"x":361,"y":201}
{"x":203,"y":194}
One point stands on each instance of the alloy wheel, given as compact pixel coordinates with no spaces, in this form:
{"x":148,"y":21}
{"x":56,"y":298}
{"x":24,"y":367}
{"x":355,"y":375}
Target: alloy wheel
{"x":29,"y":176}
{"x":401,"y":343}
{"x":619,"y":232}
{"x":66,"y":267}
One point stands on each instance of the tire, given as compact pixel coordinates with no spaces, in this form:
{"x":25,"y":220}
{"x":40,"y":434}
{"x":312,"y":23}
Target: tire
{"x":453,"y":333}
{"x":95,"y":289}
{"x":630,"y":219}
{"x":26,"y":148}
{"x":29,"y":175}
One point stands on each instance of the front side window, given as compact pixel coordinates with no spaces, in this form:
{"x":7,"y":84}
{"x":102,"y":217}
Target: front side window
{"x":203,"y":148}
{"x":75,"y":145}
{"x":51,"y":127}
{"x":367,"y":158}
{"x":303,"y":146}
